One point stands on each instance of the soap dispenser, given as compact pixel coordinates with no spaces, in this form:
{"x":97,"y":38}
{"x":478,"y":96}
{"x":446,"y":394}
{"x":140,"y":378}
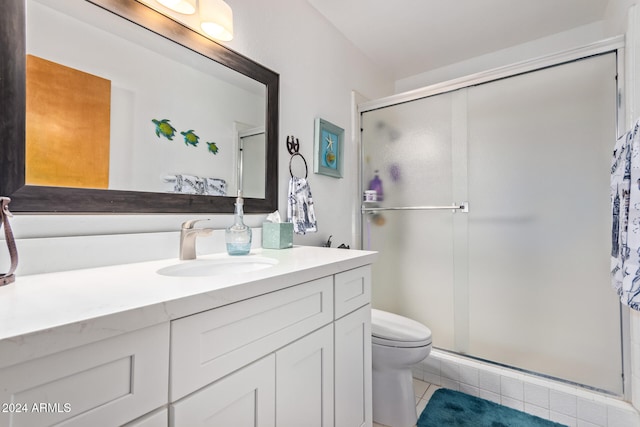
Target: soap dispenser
{"x":238,"y":236}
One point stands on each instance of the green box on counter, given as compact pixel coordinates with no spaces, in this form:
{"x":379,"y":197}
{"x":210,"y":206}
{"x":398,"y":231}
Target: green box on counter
{"x":277,"y":235}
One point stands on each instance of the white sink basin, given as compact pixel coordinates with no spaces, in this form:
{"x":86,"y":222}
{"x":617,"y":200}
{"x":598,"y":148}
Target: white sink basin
{"x":215,"y":267}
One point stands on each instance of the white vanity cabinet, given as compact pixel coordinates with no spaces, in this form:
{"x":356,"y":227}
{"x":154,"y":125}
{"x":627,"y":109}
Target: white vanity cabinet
{"x":284,"y":346}
{"x":281,"y":359}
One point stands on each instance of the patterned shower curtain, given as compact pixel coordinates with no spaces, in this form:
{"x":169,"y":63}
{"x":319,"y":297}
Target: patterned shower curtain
{"x":625,"y":210}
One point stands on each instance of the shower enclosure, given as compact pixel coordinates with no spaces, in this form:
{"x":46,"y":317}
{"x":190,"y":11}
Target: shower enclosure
{"x":521,"y":277}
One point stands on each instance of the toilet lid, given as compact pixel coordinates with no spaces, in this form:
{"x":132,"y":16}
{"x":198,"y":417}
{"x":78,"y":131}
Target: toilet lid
{"x":392,"y":329}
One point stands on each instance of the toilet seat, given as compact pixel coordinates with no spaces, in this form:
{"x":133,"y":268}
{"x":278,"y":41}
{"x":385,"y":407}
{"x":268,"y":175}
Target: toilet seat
{"x":399,"y":344}
{"x":392,"y":330}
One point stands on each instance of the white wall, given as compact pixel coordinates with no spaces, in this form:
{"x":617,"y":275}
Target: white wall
{"x":613,"y":24}
{"x":318,"y":70}
{"x":556,"y":43}
{"x":615,"y":19}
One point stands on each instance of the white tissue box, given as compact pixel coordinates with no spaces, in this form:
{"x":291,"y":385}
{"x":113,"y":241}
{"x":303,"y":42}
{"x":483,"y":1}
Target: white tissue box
{"x":277,"y":235}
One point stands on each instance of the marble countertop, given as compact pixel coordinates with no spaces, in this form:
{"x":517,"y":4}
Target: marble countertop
{"x":44,"y":313}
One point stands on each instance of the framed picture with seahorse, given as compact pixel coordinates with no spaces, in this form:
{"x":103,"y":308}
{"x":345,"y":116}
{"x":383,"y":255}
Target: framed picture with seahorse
{"x":329,"y":148}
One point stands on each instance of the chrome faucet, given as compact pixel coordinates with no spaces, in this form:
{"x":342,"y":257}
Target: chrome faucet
{"x":188,"y":236}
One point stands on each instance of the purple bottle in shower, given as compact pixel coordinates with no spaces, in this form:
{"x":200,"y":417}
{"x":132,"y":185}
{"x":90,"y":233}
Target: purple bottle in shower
{"x":376,"y":185}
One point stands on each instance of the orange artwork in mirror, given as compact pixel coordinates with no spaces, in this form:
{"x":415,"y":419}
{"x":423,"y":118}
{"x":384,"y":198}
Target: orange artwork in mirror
{"x":67,"y":126}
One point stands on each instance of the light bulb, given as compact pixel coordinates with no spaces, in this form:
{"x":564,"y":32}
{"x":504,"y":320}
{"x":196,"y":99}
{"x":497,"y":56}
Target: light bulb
{"x":216,"y":19}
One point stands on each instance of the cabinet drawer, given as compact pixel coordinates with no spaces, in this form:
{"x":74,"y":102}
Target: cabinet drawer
{"x":352,"y":290}
{"x":105,"y":383}
{"x":210,"y":345}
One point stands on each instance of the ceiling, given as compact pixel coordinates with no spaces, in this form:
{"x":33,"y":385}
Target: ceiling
{"x":408,"y":37}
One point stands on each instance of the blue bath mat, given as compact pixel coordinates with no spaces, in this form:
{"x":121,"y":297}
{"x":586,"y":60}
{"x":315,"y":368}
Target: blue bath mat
{"x":448,"y":408}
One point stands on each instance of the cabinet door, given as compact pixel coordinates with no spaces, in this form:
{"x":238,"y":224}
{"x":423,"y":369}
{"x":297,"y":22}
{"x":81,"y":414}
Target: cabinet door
{"x":245,"y":398}
{"x":304,"y":381}
{"x":353,"y":369}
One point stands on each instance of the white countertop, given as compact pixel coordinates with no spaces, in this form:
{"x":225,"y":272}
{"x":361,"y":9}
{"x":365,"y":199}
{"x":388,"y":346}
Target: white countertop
{"x":44,"y":313}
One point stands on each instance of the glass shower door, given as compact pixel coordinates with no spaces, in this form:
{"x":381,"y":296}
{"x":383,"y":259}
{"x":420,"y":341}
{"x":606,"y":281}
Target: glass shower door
{"x":409,"y":146}
{"x":522,"y":279}
{"x":539,"y":232}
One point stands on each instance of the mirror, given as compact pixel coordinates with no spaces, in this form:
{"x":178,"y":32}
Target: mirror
{"x":177,"y":109}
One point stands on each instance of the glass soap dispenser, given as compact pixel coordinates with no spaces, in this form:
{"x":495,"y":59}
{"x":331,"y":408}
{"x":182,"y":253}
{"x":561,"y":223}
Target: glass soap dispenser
{"x":238,"y":236}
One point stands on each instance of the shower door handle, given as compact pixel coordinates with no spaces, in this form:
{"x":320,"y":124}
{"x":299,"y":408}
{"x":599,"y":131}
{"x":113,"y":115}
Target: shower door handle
{"x":463,"y":207}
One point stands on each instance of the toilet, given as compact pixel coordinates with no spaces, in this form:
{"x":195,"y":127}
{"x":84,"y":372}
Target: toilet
{"x":398,"y":343}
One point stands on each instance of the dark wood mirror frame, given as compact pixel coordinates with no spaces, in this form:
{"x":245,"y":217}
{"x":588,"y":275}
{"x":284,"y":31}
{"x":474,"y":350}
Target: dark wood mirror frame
{"x":41,"y":199}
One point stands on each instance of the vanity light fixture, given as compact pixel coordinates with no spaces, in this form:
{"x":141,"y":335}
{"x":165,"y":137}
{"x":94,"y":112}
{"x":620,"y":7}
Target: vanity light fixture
{"x":214,"y":17}
{"x":187,"y":7}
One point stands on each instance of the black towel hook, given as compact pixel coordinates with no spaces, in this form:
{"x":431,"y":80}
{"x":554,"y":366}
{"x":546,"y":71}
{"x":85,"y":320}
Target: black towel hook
{"x":293,"y":145}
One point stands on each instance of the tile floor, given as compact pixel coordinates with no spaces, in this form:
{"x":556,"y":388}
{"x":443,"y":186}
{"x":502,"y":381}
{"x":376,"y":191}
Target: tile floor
{"x":423,"y":392}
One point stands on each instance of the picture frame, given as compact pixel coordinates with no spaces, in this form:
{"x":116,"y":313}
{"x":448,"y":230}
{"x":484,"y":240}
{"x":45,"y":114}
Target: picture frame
{"x":329,"y":149}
